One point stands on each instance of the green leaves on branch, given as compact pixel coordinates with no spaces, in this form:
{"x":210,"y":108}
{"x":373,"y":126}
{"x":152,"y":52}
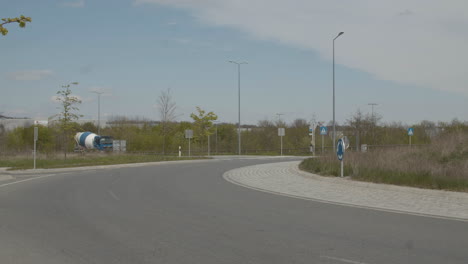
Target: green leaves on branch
{"x":21,"y":20}
{"x":203,"y":122}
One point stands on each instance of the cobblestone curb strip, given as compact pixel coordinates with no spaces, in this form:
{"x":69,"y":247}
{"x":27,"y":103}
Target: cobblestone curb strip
{"x":285,"y":178}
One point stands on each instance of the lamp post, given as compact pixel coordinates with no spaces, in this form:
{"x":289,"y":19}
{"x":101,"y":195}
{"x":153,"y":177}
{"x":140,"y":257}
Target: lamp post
{"x":99,"y":111}
{"x":334,"y":129}
{"x":238,"y":86}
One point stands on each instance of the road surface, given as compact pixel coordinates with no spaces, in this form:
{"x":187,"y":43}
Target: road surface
{"x":187,"y":213}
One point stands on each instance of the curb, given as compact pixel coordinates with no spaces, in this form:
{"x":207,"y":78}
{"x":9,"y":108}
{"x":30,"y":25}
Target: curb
{"x":374,"y":188}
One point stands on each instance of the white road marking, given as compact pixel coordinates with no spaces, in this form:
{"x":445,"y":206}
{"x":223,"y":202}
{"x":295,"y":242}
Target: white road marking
{"x":29,"y":179}
{"x":342,"y":260}
{"x":113,"y":195}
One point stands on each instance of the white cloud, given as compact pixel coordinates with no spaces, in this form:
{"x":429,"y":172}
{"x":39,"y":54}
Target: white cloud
{"x":416,"y":42}
{"x":74,"y":4}
{"x":29,"y":75}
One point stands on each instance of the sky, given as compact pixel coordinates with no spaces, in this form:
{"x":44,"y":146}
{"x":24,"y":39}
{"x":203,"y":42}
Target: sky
{"x":407,"y":56}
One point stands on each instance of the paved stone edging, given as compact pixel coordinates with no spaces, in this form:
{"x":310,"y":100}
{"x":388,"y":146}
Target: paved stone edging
{"x":285,"y":178}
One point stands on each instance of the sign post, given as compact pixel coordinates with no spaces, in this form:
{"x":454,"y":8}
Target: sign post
{"x":410,"y":134}
{"x":189,"y":135}
{"x":36,"y":135}
{"x":312,"y":141}
{"x":281,"y":134}
{"x":323,"y":132}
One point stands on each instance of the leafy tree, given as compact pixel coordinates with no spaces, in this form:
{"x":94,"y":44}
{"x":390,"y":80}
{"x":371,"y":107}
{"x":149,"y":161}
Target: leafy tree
{"x":20,"y":139}
{"x":21,"y":20}
{"x":203,"y":124}
{"x":67,"y":115}
{"x":89,"y":126}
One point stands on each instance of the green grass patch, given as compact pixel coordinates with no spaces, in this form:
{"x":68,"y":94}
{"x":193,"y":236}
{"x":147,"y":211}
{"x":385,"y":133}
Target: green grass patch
{"x":20,"y":163}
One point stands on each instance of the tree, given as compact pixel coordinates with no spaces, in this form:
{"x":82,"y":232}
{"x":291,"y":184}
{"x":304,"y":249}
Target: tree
{"x":360,"y":123}
{"x":67,"y":114}
{"x":203,"y":124}
{"x":167,"y":108}
{"x":89,"y":126}
{"x":21,"y":20}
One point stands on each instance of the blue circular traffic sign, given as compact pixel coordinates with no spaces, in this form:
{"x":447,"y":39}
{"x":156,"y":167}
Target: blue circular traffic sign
{"x":340,"y":149}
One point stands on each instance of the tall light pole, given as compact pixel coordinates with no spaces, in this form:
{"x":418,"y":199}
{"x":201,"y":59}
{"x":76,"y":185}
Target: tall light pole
{"x":238,"y":86}
{"x":334,"y":129}
{"x":99,"y":111}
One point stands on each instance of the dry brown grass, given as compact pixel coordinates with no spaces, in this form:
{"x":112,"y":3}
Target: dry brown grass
{"x":440,"y":165}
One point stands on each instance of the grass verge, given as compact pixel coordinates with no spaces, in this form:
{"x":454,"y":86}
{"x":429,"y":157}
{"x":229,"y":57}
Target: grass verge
{"x":18,"y":163}
{"x":443,"y":165}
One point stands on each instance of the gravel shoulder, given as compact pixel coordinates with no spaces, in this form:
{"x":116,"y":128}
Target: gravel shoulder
{"x":285,"y":178}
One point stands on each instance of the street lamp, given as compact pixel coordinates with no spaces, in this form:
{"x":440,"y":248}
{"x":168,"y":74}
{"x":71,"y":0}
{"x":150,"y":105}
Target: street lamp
{"x":238,"y":86}
{"x":99,"y":111}
{"x":334,"y":129}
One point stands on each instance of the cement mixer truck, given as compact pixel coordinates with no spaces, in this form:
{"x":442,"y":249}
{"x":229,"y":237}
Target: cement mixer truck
{"x":88,"y":141}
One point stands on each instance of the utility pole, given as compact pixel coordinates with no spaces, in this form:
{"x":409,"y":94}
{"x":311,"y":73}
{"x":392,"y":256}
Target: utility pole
{"x":238,"y":86}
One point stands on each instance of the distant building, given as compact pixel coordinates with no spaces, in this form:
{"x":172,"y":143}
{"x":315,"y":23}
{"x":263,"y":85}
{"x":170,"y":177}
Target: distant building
{"x":8,"y":123}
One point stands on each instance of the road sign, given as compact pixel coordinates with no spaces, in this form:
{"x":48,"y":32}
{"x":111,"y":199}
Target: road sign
{"x":410,"y":131}
{"x":188,"y":133}
{"x":340,"y":149}
{"x":323,"y":130}
{"x":281,"y":132}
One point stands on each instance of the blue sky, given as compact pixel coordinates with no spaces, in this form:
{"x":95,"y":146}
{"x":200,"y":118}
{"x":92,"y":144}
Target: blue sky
{"x":134,"y":49}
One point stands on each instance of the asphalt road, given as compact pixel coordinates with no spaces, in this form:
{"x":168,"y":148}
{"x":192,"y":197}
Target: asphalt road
{"x":187,"y":213}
